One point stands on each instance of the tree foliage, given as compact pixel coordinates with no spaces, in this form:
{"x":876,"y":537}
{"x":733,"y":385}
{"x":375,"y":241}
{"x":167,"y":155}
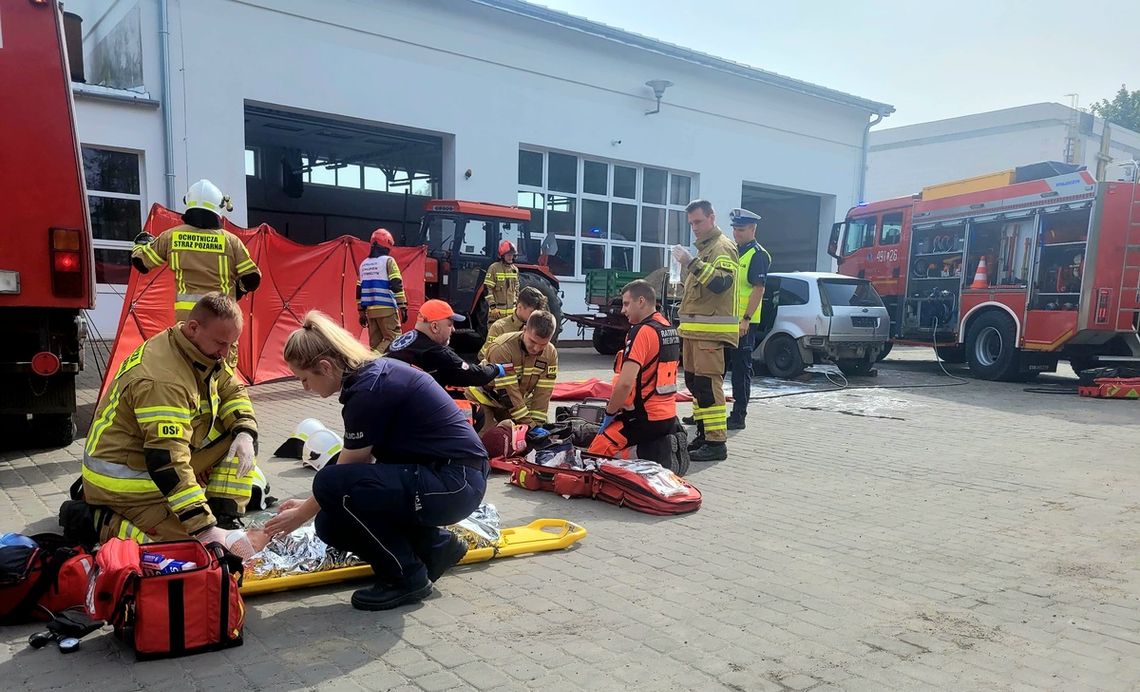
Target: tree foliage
{"x":1123,"y":109}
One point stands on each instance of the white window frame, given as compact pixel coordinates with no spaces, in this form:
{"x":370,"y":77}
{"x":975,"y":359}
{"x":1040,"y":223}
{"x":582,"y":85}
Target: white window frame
{"x":102,"y":244}
{"x":581,"y":196}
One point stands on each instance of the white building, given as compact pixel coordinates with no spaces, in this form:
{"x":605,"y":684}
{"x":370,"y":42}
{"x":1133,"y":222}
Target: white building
{"x":904,"y":159}
{"x":487,"y":100}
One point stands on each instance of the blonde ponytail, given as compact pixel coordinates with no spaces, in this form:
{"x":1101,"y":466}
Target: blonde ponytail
{"x":321,"y":338}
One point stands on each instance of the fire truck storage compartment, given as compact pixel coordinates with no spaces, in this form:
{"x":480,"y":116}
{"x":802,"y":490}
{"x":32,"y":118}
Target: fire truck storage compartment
{"x":935,"y":277}
{"x":1061,"y":244}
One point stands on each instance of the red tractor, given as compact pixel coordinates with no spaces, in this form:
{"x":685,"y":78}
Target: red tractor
{"x":462,"y":239}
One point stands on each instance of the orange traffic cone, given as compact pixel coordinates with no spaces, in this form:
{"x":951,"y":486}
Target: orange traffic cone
{"x":981,"y":280}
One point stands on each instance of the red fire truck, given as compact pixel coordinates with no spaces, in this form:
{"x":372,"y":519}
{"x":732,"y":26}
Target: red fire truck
{"x":1009,"y":272}
{"x":46,"y":257}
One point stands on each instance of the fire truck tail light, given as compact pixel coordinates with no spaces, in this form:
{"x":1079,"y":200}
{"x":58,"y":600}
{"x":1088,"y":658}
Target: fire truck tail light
{"x":66,"y":262}
{"x":1103,"y":298}
{"x":64,"y":239}
{"x":45,"y":364}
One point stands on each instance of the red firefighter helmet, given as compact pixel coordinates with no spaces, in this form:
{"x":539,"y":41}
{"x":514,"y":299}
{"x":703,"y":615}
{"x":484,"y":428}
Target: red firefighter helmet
{"x":506,"y":246}
{"x":383,"y":238}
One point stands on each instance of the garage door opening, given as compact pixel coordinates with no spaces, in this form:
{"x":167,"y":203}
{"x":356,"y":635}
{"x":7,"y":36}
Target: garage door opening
{"x":788,"y":228}
{"x":314,"y":178}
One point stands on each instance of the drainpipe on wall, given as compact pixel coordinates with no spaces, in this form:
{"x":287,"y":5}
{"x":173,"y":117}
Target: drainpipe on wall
{"x":167,"y":116}
{"x":866,"y":145}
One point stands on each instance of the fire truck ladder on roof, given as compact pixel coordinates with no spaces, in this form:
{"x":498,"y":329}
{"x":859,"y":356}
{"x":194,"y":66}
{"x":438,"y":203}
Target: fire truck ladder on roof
{"x":1131,"y":255}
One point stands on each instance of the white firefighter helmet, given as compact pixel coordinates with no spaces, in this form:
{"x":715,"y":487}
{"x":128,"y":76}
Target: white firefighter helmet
{"x":206,"y":195}
{"x":321,"y":446}
{"x":307,"y":427}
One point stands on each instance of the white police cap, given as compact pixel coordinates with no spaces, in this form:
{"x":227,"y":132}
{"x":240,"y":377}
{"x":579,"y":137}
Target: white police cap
{"x":742,"y":217}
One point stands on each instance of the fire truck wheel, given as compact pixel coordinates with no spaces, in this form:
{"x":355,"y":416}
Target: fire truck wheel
{"x":553,"y":302}
{"x":991,"y":347}
{"x":607,"y":341}
{"x":56,"y":430}
{"x":782,"y":356}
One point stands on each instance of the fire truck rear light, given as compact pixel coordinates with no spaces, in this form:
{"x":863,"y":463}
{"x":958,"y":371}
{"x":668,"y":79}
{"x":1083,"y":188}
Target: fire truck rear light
{"x":64,"y":239}
{"x":66,"y":262}
{"x":1103,"y":298}
{"x":45,"y":364}
{"x":9,"y":281}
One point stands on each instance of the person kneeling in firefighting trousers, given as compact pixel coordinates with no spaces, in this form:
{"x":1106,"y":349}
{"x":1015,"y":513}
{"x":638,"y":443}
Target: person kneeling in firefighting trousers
{"x":171,"y":450}
{"x":411,"y":464}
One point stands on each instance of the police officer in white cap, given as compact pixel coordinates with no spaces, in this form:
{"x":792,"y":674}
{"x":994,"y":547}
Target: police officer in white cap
{"x":750,"y":278}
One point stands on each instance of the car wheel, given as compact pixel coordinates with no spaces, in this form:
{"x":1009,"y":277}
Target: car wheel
{"x":886,"y":350}
{"x":991,"y":348}
{"x":782,"y":356}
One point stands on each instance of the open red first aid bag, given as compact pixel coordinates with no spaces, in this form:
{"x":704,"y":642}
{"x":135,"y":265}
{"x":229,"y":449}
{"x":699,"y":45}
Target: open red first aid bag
{"x":642,"y":485}
{"x":197,"y":608}
{"x":40,"y":575}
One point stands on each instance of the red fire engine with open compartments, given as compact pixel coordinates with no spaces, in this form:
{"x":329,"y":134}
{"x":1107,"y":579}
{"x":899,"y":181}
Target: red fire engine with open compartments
{"x":1009,"y":272}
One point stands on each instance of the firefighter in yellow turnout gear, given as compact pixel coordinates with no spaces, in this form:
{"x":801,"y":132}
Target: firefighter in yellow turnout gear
{"x":171,"y":449}
{"x":522,"y":394}
{"x":530,"y":299}
{"x":709,"y":324}
{"x":501,"y":285}
{"x":204,"y":256}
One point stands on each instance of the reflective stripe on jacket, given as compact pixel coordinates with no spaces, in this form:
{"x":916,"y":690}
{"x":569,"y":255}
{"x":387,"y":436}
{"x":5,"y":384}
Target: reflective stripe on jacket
{"x":705,"y":314}
{"x":203,"y":260}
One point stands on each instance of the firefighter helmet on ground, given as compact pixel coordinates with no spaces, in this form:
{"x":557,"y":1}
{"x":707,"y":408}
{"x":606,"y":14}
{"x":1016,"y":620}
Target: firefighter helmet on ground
{"x":383,"y":238}
{"x":206,"y":195}
{"x":506,"y":246}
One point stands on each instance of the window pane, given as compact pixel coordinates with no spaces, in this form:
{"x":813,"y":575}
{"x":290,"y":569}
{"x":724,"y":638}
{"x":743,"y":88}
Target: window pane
{"x":652,"y":225}
{"x":679,"y":189}
{"x":374,"y":179}
{"x":621,"y":258}
{"x":562,"y":172}
{"x":323,"y":175}
{"x":679,"y":233}
{"x":653,"y":190}
{"x":891,"y":232}
{"x":625,"y":182}
{"x":111,"y":171}
{"x":596,"y":178}
{"x":115,"y":219}
{"x":475,"y":238}
{"x":623,"y":222}
{"x":860,"y":234}
{"x":850,"y":293}
{"x":534,"y":201}
{"x":112,"y":266}
{"x":251,"y":162}
{"x":530,"y":168}
{"x":793,"y":292}
{"x":595,"y":219}
{"x":652,"y":258}
{"x":349,"y":176}
{"x":423,"y":187}
{"x":562,"y":263}
{"x":560,"y":215}
{"x":593,"y":257}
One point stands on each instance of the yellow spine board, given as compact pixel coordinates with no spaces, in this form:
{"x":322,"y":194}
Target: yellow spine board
{"x":539,"y":536}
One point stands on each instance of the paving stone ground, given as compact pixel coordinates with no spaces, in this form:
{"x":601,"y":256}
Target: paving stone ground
{"x":966,"y":537}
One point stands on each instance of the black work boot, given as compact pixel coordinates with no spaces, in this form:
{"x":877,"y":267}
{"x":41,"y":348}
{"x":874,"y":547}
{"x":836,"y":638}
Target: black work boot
{"x":689,"y":420}
{"x":439,"y":561}
{"x":385,"y":596}
{"x":735,"y":423}
{"x":710,"y":451}
{"x":697,"y":443}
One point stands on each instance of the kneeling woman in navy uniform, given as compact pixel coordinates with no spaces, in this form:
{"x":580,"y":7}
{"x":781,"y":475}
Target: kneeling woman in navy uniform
{"x":411,"y":463}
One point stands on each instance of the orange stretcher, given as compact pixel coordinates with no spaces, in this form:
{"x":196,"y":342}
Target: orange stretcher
{"x":539,"y":536}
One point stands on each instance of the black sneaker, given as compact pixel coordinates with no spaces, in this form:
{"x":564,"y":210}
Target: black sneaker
{"x":384,"y":596}
{"x":697,"y":443}
{"x":445,"y":558}
{"x":709,"y":452}
{"x":735,"y":423}
{"x":689,"y":420}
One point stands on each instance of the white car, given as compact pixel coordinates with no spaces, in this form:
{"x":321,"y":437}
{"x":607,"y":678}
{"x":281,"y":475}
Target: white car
{"x":820,"y":317}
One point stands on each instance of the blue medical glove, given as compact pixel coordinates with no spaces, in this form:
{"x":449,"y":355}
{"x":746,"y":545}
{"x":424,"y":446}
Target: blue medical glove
{"x":606,"y":420}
